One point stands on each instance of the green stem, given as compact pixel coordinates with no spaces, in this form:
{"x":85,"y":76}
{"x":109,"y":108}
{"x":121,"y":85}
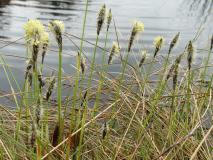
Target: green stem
{"x":59,"y":96}
{"x":78,"y":66}
{"x":85,"y":104}
{"x":101,"y":78}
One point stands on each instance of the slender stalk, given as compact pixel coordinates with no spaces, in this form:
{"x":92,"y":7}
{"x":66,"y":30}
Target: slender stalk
{"x":85,"y":104}
{"x":77,"y":79}
{"x":102,"y":76}
{"x":59,"y":96}
{"x":78,"y":66}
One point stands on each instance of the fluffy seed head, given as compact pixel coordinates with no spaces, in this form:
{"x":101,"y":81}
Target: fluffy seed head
{"x":81,"y":61}
{"x":57,"y":28}
{"x":114,"y":50}
{"x":45,"y":38}
{"x":137,"y":28}
{"x":143,"y":58}
{"x":34,"y":30}
{"x":190,"y":50}
{"x":158,"y":41}
{"x":174,"y":68}
{"x":101,"y":18}
{"x":45,"y":44}
{"x":174,"y":42}
{"x":109,"y":19}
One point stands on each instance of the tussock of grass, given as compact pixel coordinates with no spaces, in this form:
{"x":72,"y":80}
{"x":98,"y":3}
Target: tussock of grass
{"x":142,"y":112}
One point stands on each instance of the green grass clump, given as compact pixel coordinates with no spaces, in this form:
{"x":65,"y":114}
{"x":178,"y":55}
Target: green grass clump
{"x":159,"y":107}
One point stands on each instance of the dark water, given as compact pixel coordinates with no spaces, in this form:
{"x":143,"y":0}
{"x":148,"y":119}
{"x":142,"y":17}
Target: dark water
{"x":161,"y":17}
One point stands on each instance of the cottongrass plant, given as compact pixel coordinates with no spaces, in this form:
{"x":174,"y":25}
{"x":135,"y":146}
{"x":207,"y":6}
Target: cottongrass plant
{"x":101,"y":18}
{"x":137,"y":28}
{"x":81,"y":63}
{"x":109,"y":19}
{"x":144,"y":54}
{"x":158,"y":43}
{"x":35,"y":37}
{"x":174,"y":42}
{"x":114,"y":50}
{"x":57,"y":28}
{"x":190,"y":51}
{"x":100,"y":22}
{"x":136,"y":116}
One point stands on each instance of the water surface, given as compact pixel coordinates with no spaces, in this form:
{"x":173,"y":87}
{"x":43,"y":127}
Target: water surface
{"x":161,"y":17}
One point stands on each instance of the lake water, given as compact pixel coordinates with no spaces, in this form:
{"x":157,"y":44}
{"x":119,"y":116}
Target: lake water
{"x":160,"y":17}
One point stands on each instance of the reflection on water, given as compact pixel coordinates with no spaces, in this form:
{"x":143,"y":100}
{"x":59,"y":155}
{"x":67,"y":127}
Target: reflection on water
{"x":4,"y":2}
{"x":161,"y":17}
{"x":202,"y":9}
{"x":4,"y":21}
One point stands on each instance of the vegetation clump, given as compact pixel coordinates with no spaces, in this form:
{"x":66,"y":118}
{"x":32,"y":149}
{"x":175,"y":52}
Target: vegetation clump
{"x":150,"y":109}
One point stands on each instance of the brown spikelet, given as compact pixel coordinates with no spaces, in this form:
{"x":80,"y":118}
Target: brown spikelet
{"x":105,"y":130}
{"x":30,"y":79}
{"x":175,"y":76}
{"x":101,"y":18}
{"x":110,"y":59}
{"x":137,"y":27}
{"x":33,"y":137}
{"x":41,"y":81}
{"x":142,"y":59}
{"x":114,"y":50}
{"x":132,"y":37}
{"x":28,"y":73}
{"x":171,"y":71}
{"x":174,"y":42}
{"x":156,"y":51}
{"x":50,"y":88}
{"x":44,"y":50}
{"x":82,"y":62}
{"x":38,"y":112}
{"x":190,"y":50}
{"x":28,"y":68}
{"x":74,"y":141}
{"x":174,"y":68}
{"x":211,"y":46}
{"x":84,"y":99}
{"x":109,"y":19}
{"x":57,"y":28}
{"x":35,"y":54}
{"x":158,"y":44}
{"x":83,"y":65}
{"x":55,"y":136}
